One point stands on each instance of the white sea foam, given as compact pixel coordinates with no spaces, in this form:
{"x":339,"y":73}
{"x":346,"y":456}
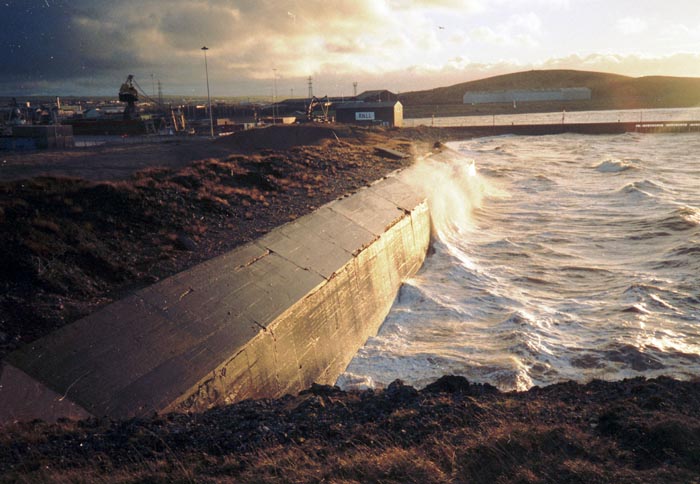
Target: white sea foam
{"x":690,"y":214}
{"x":613,"y":166}
{"x":453,"y":188}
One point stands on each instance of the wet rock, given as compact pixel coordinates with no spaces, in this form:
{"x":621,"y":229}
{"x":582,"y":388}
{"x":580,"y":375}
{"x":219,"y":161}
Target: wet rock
{"x":449,"y":384}
{"x":397,"y":390}
{"x":322,"y":390}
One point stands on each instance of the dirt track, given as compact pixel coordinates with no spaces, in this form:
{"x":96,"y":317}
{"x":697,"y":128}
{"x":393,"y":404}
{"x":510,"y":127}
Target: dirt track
{"x":108,"y":162}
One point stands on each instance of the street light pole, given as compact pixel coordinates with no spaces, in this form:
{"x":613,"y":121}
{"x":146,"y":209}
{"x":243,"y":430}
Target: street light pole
{"x":274,"y":96}
{"x":206,"y":70}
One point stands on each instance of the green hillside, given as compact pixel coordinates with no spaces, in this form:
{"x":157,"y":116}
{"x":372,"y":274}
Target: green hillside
{"x":608,"y":91}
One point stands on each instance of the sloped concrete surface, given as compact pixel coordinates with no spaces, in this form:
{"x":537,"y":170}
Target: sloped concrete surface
{"x":266,"y":319}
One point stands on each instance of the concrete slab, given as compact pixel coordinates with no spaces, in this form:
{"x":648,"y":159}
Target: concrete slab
{"x":339,"y":231}
{"x":391,"y":153}
{"x":323,"y":243}
{"x":399,"y":193}
{"x":23,"y":398}
{"x":368,"y":210}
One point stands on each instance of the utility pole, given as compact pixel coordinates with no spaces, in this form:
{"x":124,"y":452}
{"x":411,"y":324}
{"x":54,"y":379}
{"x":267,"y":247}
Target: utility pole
{"x":211,"y":115}
{"x":354,"y":88}
{"x":274,"y":96}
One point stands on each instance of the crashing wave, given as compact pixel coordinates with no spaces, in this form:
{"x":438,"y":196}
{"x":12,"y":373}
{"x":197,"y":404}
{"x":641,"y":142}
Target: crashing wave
{"x":613,"y":166}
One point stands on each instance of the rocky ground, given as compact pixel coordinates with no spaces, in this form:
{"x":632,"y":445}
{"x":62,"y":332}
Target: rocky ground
{"x":634,"y":431}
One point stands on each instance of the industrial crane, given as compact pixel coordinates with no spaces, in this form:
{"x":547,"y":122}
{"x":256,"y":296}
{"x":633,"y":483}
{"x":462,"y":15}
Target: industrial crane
{"x":325,"y":104}
{"x":129,"y":95}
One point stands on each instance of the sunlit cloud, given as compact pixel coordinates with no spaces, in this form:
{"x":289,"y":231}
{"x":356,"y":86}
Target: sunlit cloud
{"x":633,"y":65}
{"x":516,"y":30}
{"x":631,"y":25}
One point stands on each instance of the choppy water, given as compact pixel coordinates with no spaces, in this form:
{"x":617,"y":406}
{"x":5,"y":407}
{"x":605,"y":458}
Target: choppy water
{"x":555,"y":258}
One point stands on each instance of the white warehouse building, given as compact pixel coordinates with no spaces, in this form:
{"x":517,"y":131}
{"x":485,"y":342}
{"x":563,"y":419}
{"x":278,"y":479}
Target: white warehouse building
{"x":525,"y":95}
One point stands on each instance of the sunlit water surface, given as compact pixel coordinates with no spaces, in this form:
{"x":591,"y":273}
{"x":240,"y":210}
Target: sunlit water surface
{"x":555,"y":258}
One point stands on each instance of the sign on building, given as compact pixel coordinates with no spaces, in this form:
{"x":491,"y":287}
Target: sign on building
{"x":366,"y":116}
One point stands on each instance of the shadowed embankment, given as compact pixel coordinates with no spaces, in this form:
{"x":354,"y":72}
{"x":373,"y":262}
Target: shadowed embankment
{"x":632,"y":431}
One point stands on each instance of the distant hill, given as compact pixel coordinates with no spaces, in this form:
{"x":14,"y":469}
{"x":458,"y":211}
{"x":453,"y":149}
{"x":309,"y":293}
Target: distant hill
{"x":609,"y":91}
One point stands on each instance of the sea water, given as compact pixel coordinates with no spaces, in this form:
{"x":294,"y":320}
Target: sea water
{"x":563,"y":117}
{"x":553,"y":258}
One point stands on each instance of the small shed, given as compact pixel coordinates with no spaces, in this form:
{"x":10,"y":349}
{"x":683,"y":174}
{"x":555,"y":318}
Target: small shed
{"x":373,"y":113}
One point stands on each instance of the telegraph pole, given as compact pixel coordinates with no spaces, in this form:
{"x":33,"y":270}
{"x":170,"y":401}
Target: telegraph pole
{"x":211,"y":115}
{"x":274,"y":96}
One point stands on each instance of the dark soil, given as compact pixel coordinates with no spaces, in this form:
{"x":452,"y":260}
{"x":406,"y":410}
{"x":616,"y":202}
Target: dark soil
{"x":634,"y":431}
{"x":71,"y":245}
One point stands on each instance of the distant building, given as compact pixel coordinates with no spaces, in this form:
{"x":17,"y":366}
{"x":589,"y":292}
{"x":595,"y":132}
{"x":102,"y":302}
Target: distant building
{"x":527,"y":95}
{"x":370,"y":113}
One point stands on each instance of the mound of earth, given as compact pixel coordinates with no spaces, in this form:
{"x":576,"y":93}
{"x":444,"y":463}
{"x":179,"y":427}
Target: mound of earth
{"x":280,"y":137}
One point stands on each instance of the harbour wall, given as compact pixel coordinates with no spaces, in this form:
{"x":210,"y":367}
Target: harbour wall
{"x":266,"y":319}
{"x":586,"y":128}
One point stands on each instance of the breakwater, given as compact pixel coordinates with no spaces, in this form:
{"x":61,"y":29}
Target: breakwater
{"x":266,"y":319}
{"x":589,"y":128}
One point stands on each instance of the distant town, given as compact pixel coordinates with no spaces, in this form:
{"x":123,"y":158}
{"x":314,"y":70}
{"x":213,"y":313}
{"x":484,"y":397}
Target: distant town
{"x":133,"y":112}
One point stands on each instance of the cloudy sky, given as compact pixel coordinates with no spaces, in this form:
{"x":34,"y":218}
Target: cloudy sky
{"x":83,"y":47}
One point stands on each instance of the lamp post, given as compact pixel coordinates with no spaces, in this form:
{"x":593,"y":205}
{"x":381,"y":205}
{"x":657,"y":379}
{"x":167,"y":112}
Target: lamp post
{"x":206,"y":70}
{"x":274,"y":96}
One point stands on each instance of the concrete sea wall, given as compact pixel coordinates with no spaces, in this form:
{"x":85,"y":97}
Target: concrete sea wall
{"x":266,"y":319}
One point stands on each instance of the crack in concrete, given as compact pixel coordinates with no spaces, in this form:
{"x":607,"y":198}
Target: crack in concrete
{"x":307,"y":269}
{"x":255,"y":259}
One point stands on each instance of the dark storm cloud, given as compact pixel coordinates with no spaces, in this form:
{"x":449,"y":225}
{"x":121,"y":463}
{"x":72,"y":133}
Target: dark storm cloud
{"x":54,"y":41}
{"x":77,"y":43}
